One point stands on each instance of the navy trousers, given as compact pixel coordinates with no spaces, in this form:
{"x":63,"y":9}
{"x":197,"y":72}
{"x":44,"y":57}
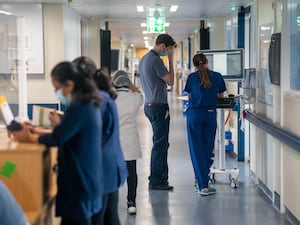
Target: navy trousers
{"x":201,"y":131}
{"x":159,"y":118}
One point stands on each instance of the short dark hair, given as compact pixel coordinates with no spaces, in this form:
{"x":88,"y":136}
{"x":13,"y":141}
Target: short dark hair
{"x":165,"y":39}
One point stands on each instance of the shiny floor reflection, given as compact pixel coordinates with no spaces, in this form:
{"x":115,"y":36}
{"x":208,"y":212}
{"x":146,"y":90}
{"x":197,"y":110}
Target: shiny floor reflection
{"x":245,"y":205}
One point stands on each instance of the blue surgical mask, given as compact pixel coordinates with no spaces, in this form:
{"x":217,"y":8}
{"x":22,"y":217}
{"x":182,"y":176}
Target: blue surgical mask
{"x":165,"y":53}
{"x":65,"y":100}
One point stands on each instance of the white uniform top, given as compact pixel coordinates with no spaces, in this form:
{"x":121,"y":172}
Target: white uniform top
{"x":128,"y":104}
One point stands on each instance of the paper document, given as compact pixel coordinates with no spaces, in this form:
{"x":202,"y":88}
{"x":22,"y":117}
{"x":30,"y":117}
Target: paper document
{"x":183,"y":97}
{"x":40,"y":115}
{"x":6,"y":111}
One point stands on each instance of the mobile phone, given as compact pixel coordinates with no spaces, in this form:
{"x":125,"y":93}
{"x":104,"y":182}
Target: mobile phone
{"x":14,"y":126}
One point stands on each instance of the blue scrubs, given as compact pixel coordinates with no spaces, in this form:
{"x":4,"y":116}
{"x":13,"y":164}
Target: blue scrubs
{"x":202,"y":123}
{"x":10,"y":210}
{"x":114,"y":166}
{"x":80,"y":177}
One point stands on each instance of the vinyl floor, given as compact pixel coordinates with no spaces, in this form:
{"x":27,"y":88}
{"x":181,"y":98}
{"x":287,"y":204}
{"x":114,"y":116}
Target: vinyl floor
{"x":244,"y":205}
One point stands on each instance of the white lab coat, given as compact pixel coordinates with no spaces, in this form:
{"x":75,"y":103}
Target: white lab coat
{"x":128,"y":104}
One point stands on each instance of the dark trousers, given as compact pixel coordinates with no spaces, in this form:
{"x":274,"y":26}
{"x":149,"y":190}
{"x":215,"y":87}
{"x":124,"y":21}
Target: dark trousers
{"x":94,"y":220}
{"x":159,"y":118}
{"x":109,"y":212}
{"x":201,"y":130}
{"x":132,"y":180}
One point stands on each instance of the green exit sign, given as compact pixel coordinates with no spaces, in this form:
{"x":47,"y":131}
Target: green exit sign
{"x":298,"y":20}
{"x":156,"y":24}
{"x":156,"y":20}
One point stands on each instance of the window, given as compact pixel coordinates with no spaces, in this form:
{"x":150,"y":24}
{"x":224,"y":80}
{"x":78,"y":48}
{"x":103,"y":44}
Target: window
{"x":294,"y":20}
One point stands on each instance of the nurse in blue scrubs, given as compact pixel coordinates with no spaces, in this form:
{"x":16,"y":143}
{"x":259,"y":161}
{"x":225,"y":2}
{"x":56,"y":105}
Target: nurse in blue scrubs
{"x":203,"y":87}
{"x":114,"y":166}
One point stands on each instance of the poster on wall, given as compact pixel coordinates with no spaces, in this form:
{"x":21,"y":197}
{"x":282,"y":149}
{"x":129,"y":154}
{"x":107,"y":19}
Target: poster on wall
{"x":265,"y":91}
{"x":33,"y":35}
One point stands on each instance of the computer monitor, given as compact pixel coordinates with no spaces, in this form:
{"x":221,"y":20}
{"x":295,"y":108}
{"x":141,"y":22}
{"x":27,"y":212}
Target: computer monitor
{"x":230,"y":63}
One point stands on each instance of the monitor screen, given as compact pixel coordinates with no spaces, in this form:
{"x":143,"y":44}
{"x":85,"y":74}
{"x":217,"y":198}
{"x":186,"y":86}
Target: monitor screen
{"x":230,"y":63}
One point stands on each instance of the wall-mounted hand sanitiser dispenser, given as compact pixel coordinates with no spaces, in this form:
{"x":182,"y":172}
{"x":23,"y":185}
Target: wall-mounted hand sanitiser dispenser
{"x":274,"y":58}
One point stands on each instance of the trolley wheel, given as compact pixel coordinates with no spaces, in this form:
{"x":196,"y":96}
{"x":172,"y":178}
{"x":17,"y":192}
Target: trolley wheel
{"x":233,"y":181}
{"x":233,"y":185}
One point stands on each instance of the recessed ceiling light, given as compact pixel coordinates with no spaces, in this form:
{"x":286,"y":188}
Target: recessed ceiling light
{"x":173,"y":8}
{"x":145,"y":38}
{"x":4,"y":12}
{"x":145,"y":32}
{"x":140,"y":8}
{"x":167,"y":24}
{"x":143,"y":25}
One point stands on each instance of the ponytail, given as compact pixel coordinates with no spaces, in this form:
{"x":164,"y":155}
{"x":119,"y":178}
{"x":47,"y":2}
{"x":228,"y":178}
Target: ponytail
{"x":200,"y":62}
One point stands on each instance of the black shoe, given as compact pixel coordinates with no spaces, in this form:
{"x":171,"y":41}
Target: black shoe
{"x":165,"y":187}
{"x":131,"y":207}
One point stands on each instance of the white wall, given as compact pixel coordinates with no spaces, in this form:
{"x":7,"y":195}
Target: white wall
{"x":41,"y":90}
{"x":291,"y":158}
{"x":217,"y":34}
{"x":61,"y":42}
{"x":33,"y":32}
{"x":261,"y":151}
{"x":94,"y":39}
{"x":72,"y":32}
{"x":274,"y":163}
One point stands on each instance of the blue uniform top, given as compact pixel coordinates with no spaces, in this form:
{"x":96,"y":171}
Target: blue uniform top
{"x":201,"y":97}
{"x":80,"y":169}
{"x":114,"y":166}
{"x":10,"y":211}
{"x":151,"y":70}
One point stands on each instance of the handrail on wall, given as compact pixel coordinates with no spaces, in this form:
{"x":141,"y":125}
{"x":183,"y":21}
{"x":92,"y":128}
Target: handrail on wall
{"x":274,"y":129}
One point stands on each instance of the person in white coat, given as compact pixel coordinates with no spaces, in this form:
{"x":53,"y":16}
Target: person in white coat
{"x":128,"y":102}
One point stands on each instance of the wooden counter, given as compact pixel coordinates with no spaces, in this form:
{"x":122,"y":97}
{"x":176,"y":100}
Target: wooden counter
{"x":33,"y":180}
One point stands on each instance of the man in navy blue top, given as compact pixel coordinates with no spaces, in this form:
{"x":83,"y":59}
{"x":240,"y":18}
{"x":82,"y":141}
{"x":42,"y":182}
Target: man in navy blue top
{"x":154,"y":79}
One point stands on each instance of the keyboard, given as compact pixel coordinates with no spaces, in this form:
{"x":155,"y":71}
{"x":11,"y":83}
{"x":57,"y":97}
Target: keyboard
{"x":226,"y":102}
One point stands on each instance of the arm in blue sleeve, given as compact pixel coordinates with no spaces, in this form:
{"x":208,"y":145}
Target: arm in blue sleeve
{"x":68,"y":127}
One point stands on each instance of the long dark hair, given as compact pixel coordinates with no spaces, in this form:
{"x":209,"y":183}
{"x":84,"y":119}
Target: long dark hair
{"x":84,"y":89}
{"x":88,"y":68}
{"x":200,"y":62}
{"x":103,"y":82}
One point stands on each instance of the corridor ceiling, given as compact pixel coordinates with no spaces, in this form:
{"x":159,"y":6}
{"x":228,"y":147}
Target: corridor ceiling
{"x":125,"y":22}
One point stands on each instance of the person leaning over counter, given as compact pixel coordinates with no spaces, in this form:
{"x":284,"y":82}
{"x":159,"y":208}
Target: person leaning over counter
{"x":78,"y":137}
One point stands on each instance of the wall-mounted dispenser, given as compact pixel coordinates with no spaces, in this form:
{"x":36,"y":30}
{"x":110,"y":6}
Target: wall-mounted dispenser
{"x":274,"y":58}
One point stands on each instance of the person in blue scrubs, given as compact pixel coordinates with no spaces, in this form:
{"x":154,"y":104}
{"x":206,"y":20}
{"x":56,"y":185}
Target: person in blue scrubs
{"x":80,"y":180}
{"x":10,"y":211}
{"x":203,"y":88}
{"x":114,"y":166}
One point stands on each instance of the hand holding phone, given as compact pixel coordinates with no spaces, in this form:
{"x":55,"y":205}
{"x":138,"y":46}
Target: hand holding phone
{"x":14,"y":126}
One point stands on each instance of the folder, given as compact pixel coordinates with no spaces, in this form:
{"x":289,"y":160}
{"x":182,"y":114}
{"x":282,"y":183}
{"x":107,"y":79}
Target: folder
{"x":40,"y":116}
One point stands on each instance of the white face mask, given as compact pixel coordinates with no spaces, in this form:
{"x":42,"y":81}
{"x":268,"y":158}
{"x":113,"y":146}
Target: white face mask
{"x":65,"y":100}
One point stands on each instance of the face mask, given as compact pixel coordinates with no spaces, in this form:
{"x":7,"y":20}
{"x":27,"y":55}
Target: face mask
{"x":65,"y":100}
{"x":165,"y":53}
